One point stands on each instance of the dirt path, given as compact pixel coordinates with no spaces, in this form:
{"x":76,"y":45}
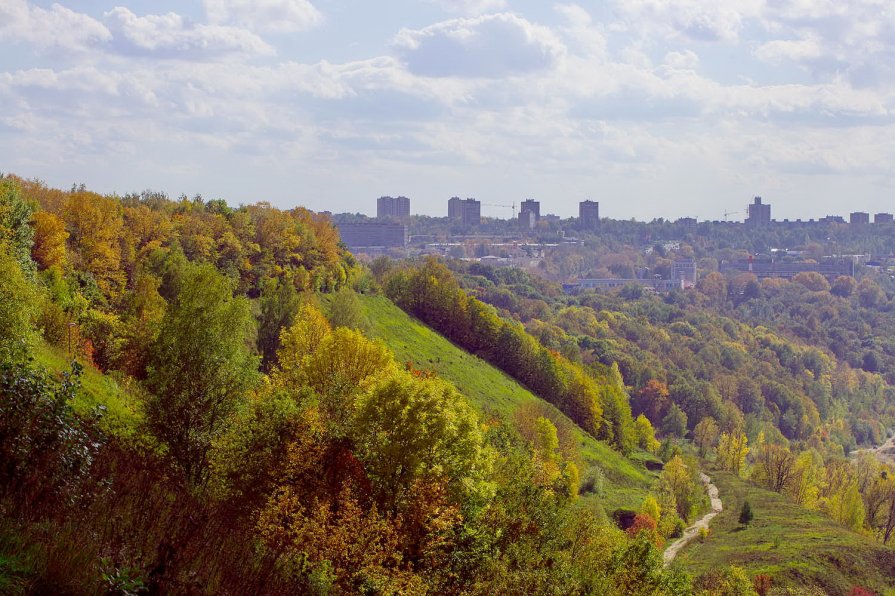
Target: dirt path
{"x":885,"y":452}
{"x":703,"y":522}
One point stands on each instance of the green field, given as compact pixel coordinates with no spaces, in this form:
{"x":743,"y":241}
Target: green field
{"x":795,"y":546}
{"x":494,"y":393}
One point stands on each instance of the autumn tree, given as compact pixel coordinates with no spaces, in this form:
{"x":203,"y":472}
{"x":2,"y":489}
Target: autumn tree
{"x":775,"y":467}
{"x":200,"y":366}
{"x":705,"y":434}
{"x":809,"y":473}
{"x":812,"y":280}
{"x":677,"y":478}
{"x":651,"y":400}
{"x":839,"y":494}
{"x":144,"y":310}
{"x":646,"y":436}
{"x":49,"y":241}
{"x":732,"y":450}
{"x":96,"y":226}
{"x":409,"y":430}
{"x":844,"y":286}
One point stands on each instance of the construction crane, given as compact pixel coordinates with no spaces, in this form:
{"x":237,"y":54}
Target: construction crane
{"x":513,"y":207}
{"x":726,"y":213}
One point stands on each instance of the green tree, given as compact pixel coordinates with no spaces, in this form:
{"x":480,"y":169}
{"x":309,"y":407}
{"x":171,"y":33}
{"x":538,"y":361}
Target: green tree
{"x":746,"y":513}
{"x":646,"y":436}
{"x":408,"y":429}
{"x":279,"y":305}
{"x":200,"y":366}
{"x":705,"y":434}
{"x":15,"y":223}
{"x":347,"y":311}
{"x":17,"y":307}
{"x":675,"y":422}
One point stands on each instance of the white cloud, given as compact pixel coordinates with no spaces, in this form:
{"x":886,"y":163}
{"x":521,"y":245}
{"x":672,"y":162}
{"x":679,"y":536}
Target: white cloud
{"x":798,"y":50}
{"x":277,"y":16}
{"x":56,"y":28}
{"x":488,"y":46}
{"x":831,"y":39}
{"x":470,"y":7}
{"x":694,"y":20}
{"x":686,"y":59}
{"x":579,"y":28}
{"x":171,"y":36}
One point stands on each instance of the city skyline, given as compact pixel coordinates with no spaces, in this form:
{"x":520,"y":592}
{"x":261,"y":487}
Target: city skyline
{"x":686,"y":108}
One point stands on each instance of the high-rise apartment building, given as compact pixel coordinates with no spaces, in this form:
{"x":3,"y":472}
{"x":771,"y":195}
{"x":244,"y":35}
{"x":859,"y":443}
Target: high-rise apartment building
{"x":589,"y":215}
{"x":392,"y":207}
{"x":531,"y":205}
{"x":529,"y":213}
{"x":468,"y":211}
{"x":858,"y":217}
{"x":759,"y":214}
{"x":882,"y":218}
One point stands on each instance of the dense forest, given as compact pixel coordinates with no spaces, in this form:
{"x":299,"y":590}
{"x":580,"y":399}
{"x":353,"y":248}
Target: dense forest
{"x":215,"y":431}
{"x":191,"y":401}
{"x":741,"y":368}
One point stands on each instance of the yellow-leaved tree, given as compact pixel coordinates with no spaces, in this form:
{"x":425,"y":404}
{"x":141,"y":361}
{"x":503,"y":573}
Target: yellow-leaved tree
{"x":732,"y":450}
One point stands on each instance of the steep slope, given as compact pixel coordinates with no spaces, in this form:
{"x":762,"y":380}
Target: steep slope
{"x":101,"y":394}
{"x":795,"y":546}
{"x":494,"y":393}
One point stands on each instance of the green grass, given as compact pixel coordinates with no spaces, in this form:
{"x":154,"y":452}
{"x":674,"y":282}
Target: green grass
{"x":122,"y":416}
{"x":494,"y":393}
{"x":795,"y":546}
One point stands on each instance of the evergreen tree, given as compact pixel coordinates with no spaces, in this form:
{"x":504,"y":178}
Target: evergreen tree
{"x":746,"y":513}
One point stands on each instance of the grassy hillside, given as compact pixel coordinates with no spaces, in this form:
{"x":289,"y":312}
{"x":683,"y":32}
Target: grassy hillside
{"x":495,"y":393}
{"x":120,"y":414}
{"x":793,"y":545}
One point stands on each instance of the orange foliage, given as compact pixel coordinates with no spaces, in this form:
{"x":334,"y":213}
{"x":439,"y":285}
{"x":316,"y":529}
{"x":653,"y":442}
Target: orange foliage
{"x":644,"y":522}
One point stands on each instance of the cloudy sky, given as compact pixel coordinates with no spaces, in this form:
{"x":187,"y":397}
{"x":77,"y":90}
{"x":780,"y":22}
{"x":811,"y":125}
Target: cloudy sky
{"x":655,"y":108}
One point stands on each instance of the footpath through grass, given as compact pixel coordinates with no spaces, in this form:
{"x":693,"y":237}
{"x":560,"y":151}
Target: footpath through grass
{"x":798,"y":548}
{"x":494,"y":393}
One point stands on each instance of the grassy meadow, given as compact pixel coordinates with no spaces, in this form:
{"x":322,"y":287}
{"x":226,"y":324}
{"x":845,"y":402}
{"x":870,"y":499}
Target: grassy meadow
{"x":496,"y":394}
{"x":797,"y":547}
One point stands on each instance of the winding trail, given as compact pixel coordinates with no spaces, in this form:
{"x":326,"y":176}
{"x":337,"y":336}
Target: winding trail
{"x":885,"y":452}
{"x":703,"y":522}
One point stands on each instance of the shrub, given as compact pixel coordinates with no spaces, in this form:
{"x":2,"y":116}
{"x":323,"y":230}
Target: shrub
{"x":746,"y":513}
{"x":46,"y":452}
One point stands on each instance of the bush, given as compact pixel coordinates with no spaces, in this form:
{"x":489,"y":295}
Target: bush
{"x":46,"y":452}
{"x":594,"y":482}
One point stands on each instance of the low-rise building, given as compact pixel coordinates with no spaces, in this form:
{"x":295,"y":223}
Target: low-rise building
{"x":658,"y":285}
{"x":373,"y":235}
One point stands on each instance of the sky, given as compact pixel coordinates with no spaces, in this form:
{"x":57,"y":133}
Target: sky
{"x":654,"y":108}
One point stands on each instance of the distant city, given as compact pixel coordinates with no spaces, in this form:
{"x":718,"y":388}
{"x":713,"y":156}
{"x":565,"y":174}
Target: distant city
{"x":528,"y":236}
{"x":389,"y":230}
